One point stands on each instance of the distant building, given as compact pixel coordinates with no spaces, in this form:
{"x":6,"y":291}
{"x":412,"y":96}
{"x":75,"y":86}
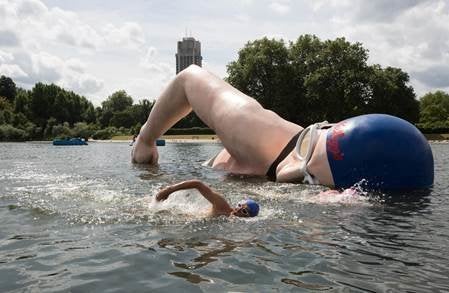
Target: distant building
{"x":189,"y":52}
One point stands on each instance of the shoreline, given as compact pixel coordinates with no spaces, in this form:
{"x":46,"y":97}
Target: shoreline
{"x":205,"y":138}
{"x":200,"y":138}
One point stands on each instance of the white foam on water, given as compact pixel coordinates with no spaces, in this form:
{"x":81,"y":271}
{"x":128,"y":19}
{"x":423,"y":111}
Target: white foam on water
{"x":334,"y":197}
{"x":184,"y":201}
{"x":99,"y":201}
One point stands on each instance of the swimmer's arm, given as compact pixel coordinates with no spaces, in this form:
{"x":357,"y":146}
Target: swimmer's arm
{"x":219,"y":205}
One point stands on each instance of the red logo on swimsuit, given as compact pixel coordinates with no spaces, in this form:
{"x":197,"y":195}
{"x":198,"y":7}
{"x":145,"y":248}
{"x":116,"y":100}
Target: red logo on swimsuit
{"x":332,"y":143}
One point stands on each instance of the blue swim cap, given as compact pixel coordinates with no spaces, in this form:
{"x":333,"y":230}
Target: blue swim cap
{"x":253,"y":207}
{"x":386,"y":152}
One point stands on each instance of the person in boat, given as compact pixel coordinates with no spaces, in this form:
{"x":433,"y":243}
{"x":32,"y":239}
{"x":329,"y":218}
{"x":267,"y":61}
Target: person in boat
{"x":383,"y":151}
{"x":220,"y":207}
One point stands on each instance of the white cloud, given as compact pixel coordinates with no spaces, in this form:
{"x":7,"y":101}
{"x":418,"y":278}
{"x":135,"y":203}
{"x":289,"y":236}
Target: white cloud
{"x":97,"y":49}
{"x":5,"y":57}
{"x":13,"y":71}
{"x":8,"y":38}
{"x":152,"y":62}
{"x":66,"y":27}
{"x":83,"y":83}
{"x":382,"y":10}
{"x":33,"y":8}
{"x":54,"y":42}
{"x":280,"y":7}
{"x":247,"y":2}
{"x":412,"y":35}
{"x":129,"y":35}
{"x":76,"y":65}
{"x":435,"y":76}
{"x":47,"y":67}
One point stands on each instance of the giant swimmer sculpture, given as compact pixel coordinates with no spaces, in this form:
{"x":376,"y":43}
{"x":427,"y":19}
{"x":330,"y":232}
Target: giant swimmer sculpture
{"x":383,"y":151}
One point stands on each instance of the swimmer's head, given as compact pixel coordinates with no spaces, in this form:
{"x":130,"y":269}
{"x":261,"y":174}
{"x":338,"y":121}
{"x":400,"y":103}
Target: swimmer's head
{"x":246,"y":208}
{"x":382,"y":151}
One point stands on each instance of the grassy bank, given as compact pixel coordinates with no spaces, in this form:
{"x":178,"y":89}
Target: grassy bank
{"x":437,"y":136}
{"x":179,"y":137}
{"x":200,"y":137}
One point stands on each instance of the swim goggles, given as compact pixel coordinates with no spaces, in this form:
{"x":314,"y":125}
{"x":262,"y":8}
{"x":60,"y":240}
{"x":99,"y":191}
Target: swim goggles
{"x":248,"y":208}
{"x":243,"y":209}
{"x":305,"y":145}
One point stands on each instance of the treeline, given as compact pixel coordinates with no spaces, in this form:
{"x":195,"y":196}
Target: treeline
{"x":311,"y":80}
{"x":49,"y":111}
{"x":305,"y":81}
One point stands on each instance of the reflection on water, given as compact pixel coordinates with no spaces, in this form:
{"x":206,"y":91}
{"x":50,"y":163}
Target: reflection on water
{"x":84,"y":219}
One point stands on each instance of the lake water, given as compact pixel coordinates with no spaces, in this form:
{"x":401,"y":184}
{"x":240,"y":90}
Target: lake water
{"x":82,"y":219}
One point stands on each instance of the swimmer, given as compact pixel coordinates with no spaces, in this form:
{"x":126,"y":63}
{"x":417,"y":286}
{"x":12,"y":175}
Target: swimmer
{"x":247,"y":208}
{"x":134,"y":140}
{"x":383,"y":151}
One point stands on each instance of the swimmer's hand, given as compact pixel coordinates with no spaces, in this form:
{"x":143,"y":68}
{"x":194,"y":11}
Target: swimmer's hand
{"x":164,"y":193}
{"x":144,"y":153}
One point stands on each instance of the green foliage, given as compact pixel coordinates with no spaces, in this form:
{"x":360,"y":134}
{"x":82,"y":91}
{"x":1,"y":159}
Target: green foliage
{"x":4,"y":104}
{"x":141,"y":111}
{"x":135,"y":129}
{"x":10,"y":133}
{"x":6,"y":117}
{"x":262,"y":66}
{"x":191,"y":120}
{"x":391,"y":94}
{"x":434,"y":110}
{"x":123,"y":119}
{"x":118,"y":101}
{"x":312,"y":80}
{"x":106,"y":133}
{"x":48,"y":111}
{"x":48,"y":131}
{"x":83,"y":130}
{"x":115,"y":110}
{"x":61,"y":130}
{"x":188,"y":131}
{"x":65,"y":106}
{"x":22,"y":102}
{"x":19,"y":120}
{"x":7,"y":88}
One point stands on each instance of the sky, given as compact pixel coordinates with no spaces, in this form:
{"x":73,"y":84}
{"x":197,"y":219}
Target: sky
{"x":98,"y":47}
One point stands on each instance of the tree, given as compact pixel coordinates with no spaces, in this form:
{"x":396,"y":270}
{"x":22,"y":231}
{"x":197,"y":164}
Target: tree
{"x":7,"y":88}
{"x":141,"y":110}
{"x":262,"y":70}
{"x":52,"y":122}
{"x":390,"y":94}
{"x":61,"y":130}
{"x":434,"y":110}
{"x":88,"y":114}
{"x":334,"y":76}
{"x":42,"y":101}
{"x":6,"y":113}
{"x":83,"y":130}
{"x":65,"y":106}
{"x":123,"y":119}
{"x":117,"y":102}
{"x":104,"y":117}
{"x":313,"y":80}
{"x":22,"y":102}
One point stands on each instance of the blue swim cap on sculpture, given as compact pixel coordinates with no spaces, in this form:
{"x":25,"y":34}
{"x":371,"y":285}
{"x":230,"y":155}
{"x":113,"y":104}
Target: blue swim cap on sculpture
{"x":386,"y":152}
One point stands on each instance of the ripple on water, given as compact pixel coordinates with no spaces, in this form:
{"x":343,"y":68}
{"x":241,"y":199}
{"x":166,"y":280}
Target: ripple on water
{"x":83,"y":219}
